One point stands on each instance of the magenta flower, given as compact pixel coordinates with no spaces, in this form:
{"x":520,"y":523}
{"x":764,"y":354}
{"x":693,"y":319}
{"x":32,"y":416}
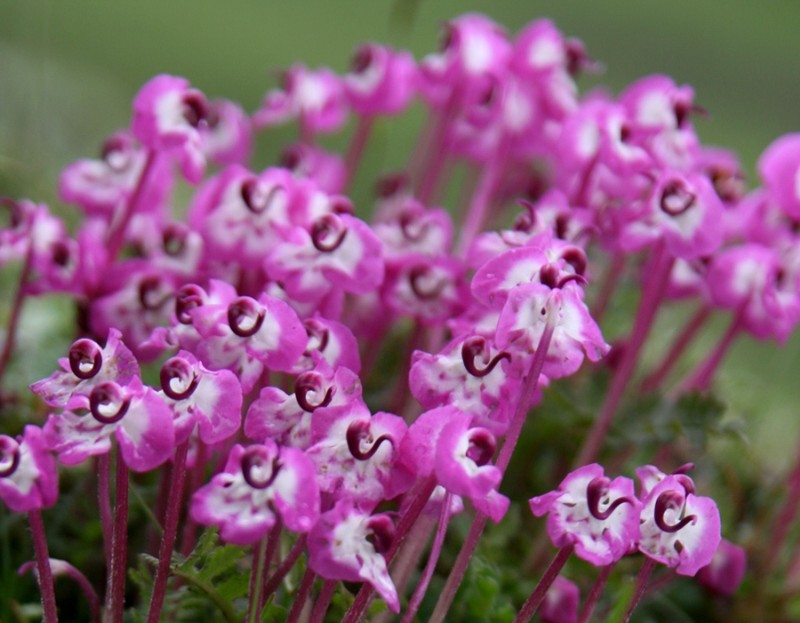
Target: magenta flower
{"x":724,"y":574}
{"x":598,"y":515}
{"x":259,"y":483}
{"x":678,"y":528}
{"x":779,"y":167}
{"x":326,"y":169}
{"x":87,"y":366}
{"x":348,"y":544}
{"x":201,"y":399}
{"x":134,"y":414}
{"x":227,"y":133}
{"x":167,"y":115}
{"x":314,"y":97}
{"x":381,"y":81}
{"x":28,"y":472}
{"x":560,"y":605}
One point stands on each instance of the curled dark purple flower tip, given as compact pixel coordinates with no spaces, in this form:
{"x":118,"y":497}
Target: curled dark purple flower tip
{"x":245,"y":316}
{"x":311,"y":382}
{"x":255,"y":462}
{"x":381,"y":532}
{"x":180,"y":369}
{"x":107,"y":403}
{"x":475,"y":347}
{"x":85,"y":359}
{"x":327,"y":233}
{"x":9,"y":456}
{"x":670,"y":500}
{"x":359,"y":432}
{"x":596,"y":492}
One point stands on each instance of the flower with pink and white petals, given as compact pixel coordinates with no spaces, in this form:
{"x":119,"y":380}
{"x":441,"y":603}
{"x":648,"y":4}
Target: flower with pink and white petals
{"x":356,"y":454}
{"x":597,"y":515}
{"x":259,"y":484}
{"x":575,"y":335}
{"x":779,"y":167}
{"x":202,"y":399}
{"x":329,"y":341}
{"x":327,"y":169}
{"x":469,"y":374}
{"x":336,"y":251}
{"x":724,"y":574}
{"x":28,"y":472}
{"x":87,"y":365}
{"x":348,"y":544}
{"x":167,"y":115}
{"x":286,"y":418}
{"x":678,"y":528}
{"x":313,"y":96}
{"x":428,"y":289}
{"x":134,"y":414}
{"x":443,"y":442}
{"x":381,"y":81}
{"x":227,"y":134}
{"x":407,"y":228}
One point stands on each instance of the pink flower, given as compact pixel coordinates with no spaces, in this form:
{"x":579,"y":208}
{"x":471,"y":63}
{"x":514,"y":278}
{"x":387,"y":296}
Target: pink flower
{"x":259,"y":483}
{"x":28,"y":472}
{"x":381,"y":81}
{"x":724,"y":574}
{"x":598,"y":515}
{"x":560,"y":605}
{"x":348,"y":544}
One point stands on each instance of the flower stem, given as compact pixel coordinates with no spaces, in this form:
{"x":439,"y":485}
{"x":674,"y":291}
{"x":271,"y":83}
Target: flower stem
{"x":655,"y":283}
{"x":533,"y":602}
{"x":641,"y":585}
{"x":695,"y":323}
{"x":301,"y":597}
{"x":116,"y":233}
{"x":323,"y":601}
{"x":356,"y":149}
{"x":104,"y":501}
{"x":119,"y":542}
{"x":438,"y":151}
{"x":530,"y":385}
{"x":608,"y":286}
{"x":16,"y":308}
{"x":43,"y":567}
{"x":699,"y":379}
{"x":274,"y":581}
{"x":430,"y":567}
{"x":169,"y":533}
{"x":784,"y":520}
{"x":256,"y":577}
{"x":594,"y":594}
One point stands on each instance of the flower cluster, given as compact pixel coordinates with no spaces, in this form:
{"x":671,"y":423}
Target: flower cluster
{"x":266,"y":309}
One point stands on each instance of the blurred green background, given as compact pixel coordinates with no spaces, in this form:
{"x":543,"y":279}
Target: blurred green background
{"x":69,"y":69}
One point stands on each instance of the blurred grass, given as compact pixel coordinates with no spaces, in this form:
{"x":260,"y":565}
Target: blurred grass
{"x":69,"y":69}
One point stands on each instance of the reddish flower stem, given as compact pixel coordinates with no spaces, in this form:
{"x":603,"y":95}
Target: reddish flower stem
{"x":357,"y":144}
{"x":594,"y":594}
{"x":116,"y":233}
{"x":16,"y":309}
{"x":639,"y":589}
{"x":323,"y":601}
{"x":119,"y":542}
{"x":104,"y":501}
{"x":45,"y":574}
{"x":286,"y":565}
{"x":608,"y":286}
{"x":256,"y":577}
{"x":533,"y":602}
{"x":530,"y":385}
{"x":785,"y":518}
{"x":169,"y":533}
{"x":700,"y":378}
{"x":430,"y":567}
{"x":655,"y":284}
{"x":303,"y":591}
{"x":437,"y":152}
{"x":690,"y":330}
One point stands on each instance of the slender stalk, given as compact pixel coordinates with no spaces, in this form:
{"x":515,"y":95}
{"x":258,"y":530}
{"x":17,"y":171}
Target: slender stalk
{"x":641,"y":585}
{"x":119,"y":542}
{"x":356,"y":149}
{"x":16,"y":309}
{"x":273,"y":538}
{"x":300,"y":599}
{"x":785,"y":518}
{"x":430,"y":567}
{"x":608,"y":286}
{"x":533,"y":602}
{"x":169,"y":533}
{"x":401,"y":391}
{"x":256,"y":578}
{"x":655,"y":283}
{"x":104,"y":501}
{"x":116,"y":233}
{"x":196,"y":476}
{"x":690,"y":330}
{"x":700,"y":378}
{"x":45,"y":574}
{"x":481,"y":199}
{"x":274,"y":581}
{"x":407,"y":520}
{"x":408,"y":558}
{"x":530,"y":384}
{"x":323,"y":601}
{"x":437,"y":152}
{"x":594,"y":594}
